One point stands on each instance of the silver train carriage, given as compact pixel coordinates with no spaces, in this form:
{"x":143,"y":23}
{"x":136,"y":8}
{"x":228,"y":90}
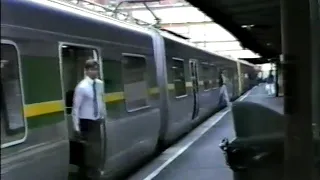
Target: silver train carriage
{"x":157,"y":88}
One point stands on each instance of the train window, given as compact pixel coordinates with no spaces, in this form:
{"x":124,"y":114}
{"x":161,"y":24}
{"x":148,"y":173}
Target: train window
{"x":12,"y":114}
{"x":135,"y":82}
{"x":206,"y":76}
{"x":179,"y":77}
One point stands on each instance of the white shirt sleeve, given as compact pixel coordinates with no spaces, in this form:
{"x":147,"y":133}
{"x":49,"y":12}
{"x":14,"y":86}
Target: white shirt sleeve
{"x":77,"y":100}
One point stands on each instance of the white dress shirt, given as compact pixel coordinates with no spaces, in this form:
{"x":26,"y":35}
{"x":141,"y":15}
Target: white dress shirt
{"x":83,"y":102}
{"x":224,"y":79}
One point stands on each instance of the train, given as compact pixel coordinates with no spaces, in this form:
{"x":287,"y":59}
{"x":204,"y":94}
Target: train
{"x":158,"y":87}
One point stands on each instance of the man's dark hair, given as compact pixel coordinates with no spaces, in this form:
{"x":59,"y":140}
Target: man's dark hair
{"x":91,"y":64}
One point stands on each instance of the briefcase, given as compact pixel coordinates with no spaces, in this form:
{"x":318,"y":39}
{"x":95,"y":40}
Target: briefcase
{"x":77,"y":150}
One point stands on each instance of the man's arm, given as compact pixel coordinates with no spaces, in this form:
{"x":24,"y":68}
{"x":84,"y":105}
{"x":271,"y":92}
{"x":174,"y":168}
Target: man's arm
{"x":77,"y":100}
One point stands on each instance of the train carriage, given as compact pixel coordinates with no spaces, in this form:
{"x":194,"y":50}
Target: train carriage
{"x":192,"y":84}
{"x":52,"y":56}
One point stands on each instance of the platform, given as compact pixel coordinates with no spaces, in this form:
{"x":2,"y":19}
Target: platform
{"x":198,"y":156}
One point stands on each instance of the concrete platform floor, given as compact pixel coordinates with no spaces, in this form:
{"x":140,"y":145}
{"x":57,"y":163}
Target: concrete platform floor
{"x":198,"y":156}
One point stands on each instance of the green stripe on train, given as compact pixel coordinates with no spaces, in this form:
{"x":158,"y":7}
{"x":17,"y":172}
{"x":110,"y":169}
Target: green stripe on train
{"x":41,"y":79}
{"x":45,"y":120}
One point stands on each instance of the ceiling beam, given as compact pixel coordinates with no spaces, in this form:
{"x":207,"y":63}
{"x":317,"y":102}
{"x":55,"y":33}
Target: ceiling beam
{"x":254,"y":5}
{"x":156,"y":7}
{"x":230,"y":41}
{"x":185,"y":24}
{"x":245,"y":3}
{"x":220,"y":15}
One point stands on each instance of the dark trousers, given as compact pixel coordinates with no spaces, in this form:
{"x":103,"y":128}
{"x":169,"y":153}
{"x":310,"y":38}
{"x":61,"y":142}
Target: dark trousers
{"x":91,"y":161}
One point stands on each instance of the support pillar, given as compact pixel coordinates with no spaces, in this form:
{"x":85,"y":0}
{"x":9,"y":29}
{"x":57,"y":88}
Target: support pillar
{"x":315,"y":25}
{"x":277,"y":66}
{"x":315,"y":28}
{"x":296,"y":48}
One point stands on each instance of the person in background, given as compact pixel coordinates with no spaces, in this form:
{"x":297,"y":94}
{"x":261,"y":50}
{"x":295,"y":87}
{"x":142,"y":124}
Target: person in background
{"x":88,"y":112}
{"x":223,"y":89}
{"x":270,"y":84}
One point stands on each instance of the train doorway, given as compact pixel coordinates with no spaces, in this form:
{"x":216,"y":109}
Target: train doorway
{"x":72,"y":61}
{"x":229,"y":74}
{"x":195,"y":87}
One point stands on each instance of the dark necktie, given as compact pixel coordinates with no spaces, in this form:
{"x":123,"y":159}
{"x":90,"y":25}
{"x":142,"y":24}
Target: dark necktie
{"x":95,"y":103}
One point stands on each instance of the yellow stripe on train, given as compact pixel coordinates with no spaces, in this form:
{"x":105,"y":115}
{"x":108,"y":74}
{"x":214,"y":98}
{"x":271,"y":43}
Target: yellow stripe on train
{"x":37,"y":109}
{"x":42,"y":108}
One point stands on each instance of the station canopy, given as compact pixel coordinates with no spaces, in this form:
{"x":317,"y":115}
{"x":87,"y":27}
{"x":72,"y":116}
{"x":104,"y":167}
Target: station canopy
{"x":256,"y":23}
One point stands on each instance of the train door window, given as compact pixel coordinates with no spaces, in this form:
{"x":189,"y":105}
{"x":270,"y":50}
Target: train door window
{"x":205,"y":76}
{"x":135,"y":82}
{"x":13,"y":124}
{"x":179,"y":77}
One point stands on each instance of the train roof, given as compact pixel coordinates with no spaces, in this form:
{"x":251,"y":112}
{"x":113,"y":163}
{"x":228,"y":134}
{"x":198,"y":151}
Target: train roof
{"x":184,"y":42}
{"x":58,"y":10}
{"x":56,"y":16}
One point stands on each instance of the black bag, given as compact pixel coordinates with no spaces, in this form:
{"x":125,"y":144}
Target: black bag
{"x":241,"y":158}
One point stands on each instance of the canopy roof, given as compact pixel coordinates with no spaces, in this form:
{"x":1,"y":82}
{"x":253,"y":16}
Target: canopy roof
{"x":256,"y":23}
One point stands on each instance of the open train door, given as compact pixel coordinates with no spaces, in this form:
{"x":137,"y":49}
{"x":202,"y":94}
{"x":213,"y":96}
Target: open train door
{"x":195,"y":86}
{"x":72,"y":60}
{"x":231,"y":81}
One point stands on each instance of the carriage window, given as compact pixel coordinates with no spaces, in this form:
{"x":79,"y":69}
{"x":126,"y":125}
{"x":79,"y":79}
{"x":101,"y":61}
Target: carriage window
{"x":206,"y":76}
{"x":12,"y":116}
{"x":135,"y":82}
{"x":179,"y":78}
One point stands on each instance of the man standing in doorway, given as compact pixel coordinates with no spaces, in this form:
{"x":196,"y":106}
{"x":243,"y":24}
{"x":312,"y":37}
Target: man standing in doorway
{"x":270,"y":84}
{"x":223,"y":89}
{"x":88,"y":113}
